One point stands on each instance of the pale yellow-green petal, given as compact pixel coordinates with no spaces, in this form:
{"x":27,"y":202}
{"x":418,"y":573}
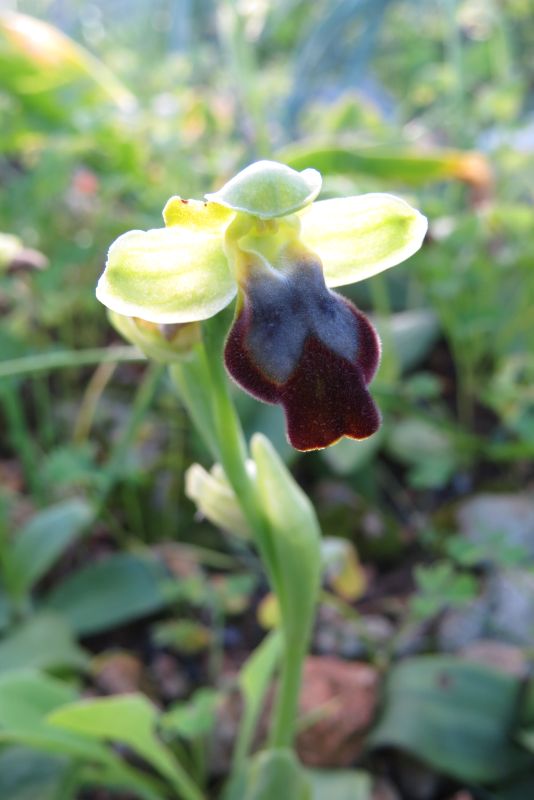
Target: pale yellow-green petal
{"x":166,"y":275}
{"x":358,"y":237}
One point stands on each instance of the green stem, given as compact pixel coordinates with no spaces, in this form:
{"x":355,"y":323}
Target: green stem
{"x":232,"y":446}
{"x":286,"y":705}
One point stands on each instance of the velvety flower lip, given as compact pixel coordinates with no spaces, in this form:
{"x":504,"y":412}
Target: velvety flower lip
{"x":298,"y":344}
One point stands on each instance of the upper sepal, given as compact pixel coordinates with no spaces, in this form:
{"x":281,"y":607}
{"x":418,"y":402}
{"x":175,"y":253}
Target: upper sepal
{"x":174,"y":274}
{"x":267,"y":189}
{"x":358,"y":237}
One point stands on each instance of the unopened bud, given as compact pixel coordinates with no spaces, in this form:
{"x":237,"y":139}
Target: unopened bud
{"x":166,"y":343}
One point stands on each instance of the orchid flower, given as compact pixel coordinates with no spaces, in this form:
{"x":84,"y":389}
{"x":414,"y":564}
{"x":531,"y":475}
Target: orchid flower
{"x":265,"y":238}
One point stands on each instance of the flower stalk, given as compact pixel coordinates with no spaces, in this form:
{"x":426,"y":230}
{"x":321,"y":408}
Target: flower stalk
{"x":227,"y":442}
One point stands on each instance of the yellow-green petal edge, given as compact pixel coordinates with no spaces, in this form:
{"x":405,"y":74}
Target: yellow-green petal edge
{"x":358,"y":237}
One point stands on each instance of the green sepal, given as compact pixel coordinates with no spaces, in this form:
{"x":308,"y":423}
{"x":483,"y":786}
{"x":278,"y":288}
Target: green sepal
{"x":358,"y":237}
{"x":267,"y":189}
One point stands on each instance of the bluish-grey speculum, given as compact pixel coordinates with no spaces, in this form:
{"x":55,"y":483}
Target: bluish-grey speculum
{"x":289,"y":306}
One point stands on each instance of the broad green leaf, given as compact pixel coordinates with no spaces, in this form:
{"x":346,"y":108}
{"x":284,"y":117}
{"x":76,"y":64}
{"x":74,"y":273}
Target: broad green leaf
{"x":453,"y":715}
{"x":42,"y":541}
{"x":47,"y":739}
{"x":392,"y":165}
{"x":174,"y":274}
{"x":268,"y":189}
{"x":358,"y":237}
{"x":26,"y":697}
{"x":111,"y":592}
{"x":131,"y":720}
{"x":28,"y":775}
{"x":254,"y":680}
{"x":339,"y":784}
{"x":519,"y":789}
{"x":44,"y":641}
{"x":193,"y":718}
{"x":296,"y":539}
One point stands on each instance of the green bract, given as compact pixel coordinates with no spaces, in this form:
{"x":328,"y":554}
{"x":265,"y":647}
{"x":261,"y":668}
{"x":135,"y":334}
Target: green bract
{"x":185,"y":271}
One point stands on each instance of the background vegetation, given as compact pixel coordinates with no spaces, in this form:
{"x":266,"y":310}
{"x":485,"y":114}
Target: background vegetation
{"x":111,"y":582}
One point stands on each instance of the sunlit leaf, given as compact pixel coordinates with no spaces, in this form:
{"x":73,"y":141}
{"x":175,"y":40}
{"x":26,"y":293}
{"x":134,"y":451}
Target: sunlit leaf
{"x":130,"y":719}
{"x":36,"y":57}
{"x":391,"y":165}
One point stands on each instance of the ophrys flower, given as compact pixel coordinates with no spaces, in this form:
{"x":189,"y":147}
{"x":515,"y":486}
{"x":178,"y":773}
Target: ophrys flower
{"x":262,"y":236}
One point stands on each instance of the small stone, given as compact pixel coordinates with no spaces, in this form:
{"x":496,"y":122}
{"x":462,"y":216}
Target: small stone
{"x":460,"y":627}
{"x":168,"y":677}
{"x":512,"y":601}
{"x":343,"y":695}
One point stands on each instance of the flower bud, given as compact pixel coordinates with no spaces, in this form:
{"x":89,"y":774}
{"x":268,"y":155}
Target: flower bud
{"x":167,"y":343}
